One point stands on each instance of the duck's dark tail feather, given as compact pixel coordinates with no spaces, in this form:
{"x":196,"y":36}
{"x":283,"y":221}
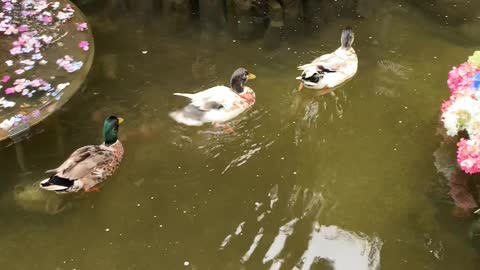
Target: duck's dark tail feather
{"x":56,"y":183}
{"x":347,"y":38}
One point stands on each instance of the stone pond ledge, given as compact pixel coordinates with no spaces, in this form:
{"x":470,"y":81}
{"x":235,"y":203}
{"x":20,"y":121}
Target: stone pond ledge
{"x":46,"y":51}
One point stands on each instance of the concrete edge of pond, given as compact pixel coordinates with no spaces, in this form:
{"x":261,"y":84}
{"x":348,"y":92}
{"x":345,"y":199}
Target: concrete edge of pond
{"x":18,"y":132}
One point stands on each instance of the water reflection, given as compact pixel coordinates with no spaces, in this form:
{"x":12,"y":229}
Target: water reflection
{"x":340,"y":249}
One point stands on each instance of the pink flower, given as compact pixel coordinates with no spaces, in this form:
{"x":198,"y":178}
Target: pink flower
{"x":19,"y":71}
{"x":63,"y":16}
{"x":68,"y":8}
{"x":23,"y":28}
{"x":461,"y":78}
{"x":468,"y":155}
{"x":9,"y":91}
{"x":5,"y":78}
{"x":7,"y":6}
{"x":25,"y":13}
{"x":460,"y":93}
{"x":16,"y":50}
{"x":62,"y":62}
{"x":446,"y":104}
{"x":82,"y":27}
{"x":47,"y":19}
{"x":84,"y":45}
{"x":36,"y":83}
{"x":11,"y":30}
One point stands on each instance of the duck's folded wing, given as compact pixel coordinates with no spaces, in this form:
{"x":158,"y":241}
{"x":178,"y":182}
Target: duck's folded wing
{"x":327,"y":63}
{"x":83,"y":162}
{"x":215,"y":98}
{"x":211,"y":105}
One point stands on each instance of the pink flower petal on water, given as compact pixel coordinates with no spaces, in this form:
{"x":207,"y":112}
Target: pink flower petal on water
{"x":9,"y":91}
{"x":16,"y":50}
{"x":25,"y":13}
{"x":84,"y":45}
{"x":68,"y":8}
{"x":19,"y":71}
{"x":63,"y":16}
{"x":23,"y":28}
{"x":82,"y":27}
{"x":47,"y":19}
{"x":11,"y":30}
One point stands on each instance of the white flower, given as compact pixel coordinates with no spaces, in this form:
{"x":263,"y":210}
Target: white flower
{"x":62,"y":86}
{"x":6,"y":104}
{"x":464,"y":113}
{"x":7,"y":123}
{"x":473,"y":127}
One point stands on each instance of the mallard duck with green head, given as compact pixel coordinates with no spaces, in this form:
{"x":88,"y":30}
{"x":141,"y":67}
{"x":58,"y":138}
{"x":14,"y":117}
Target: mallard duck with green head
{"x":89,"y":165}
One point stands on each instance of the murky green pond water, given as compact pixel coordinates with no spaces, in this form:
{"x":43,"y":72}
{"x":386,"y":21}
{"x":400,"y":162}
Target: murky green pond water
{"x":360,"y":158}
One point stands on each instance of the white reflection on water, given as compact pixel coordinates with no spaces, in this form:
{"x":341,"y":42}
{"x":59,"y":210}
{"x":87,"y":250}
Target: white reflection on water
{"x":343,"y":249}
{"x":279,"y":242}
{"x":253,"y":246}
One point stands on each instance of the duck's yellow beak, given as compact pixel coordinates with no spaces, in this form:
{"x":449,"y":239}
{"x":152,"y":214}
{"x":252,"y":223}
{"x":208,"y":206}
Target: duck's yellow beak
{"x":120,"y":120}
{"x":251,"y":76}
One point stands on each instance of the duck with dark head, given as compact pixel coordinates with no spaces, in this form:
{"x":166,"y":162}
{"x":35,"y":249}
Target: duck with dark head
{"x":89,"y":165}
{"x":333,"y":69}
{"x":218,"y":104}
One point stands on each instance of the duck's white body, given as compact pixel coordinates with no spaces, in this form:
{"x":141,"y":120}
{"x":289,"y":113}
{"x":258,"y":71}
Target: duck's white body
{"x":330,"y":70}
{"x":215,"y":105}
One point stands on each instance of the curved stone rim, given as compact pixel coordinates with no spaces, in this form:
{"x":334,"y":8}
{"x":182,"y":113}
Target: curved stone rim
{"x":52,"y":106}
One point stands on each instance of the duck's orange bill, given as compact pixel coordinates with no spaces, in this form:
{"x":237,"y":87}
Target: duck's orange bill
{"x":300,"y":87}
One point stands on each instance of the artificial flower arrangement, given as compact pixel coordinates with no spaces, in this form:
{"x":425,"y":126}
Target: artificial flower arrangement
{"x":461,"y":112}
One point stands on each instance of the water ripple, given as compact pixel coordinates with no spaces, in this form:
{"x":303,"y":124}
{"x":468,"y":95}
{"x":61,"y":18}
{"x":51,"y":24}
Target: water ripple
{"x":342,"y":249}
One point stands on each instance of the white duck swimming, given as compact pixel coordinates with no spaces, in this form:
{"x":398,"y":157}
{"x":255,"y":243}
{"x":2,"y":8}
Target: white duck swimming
{"x":331,"y":69}
{"x":218,"y":104}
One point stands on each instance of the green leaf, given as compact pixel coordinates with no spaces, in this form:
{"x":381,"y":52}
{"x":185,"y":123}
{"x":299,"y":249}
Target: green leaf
{"x":475,"y":58}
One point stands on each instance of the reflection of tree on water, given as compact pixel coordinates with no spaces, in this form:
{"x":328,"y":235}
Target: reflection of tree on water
{"x":245,"y":19}
{"x":272,"y":20}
